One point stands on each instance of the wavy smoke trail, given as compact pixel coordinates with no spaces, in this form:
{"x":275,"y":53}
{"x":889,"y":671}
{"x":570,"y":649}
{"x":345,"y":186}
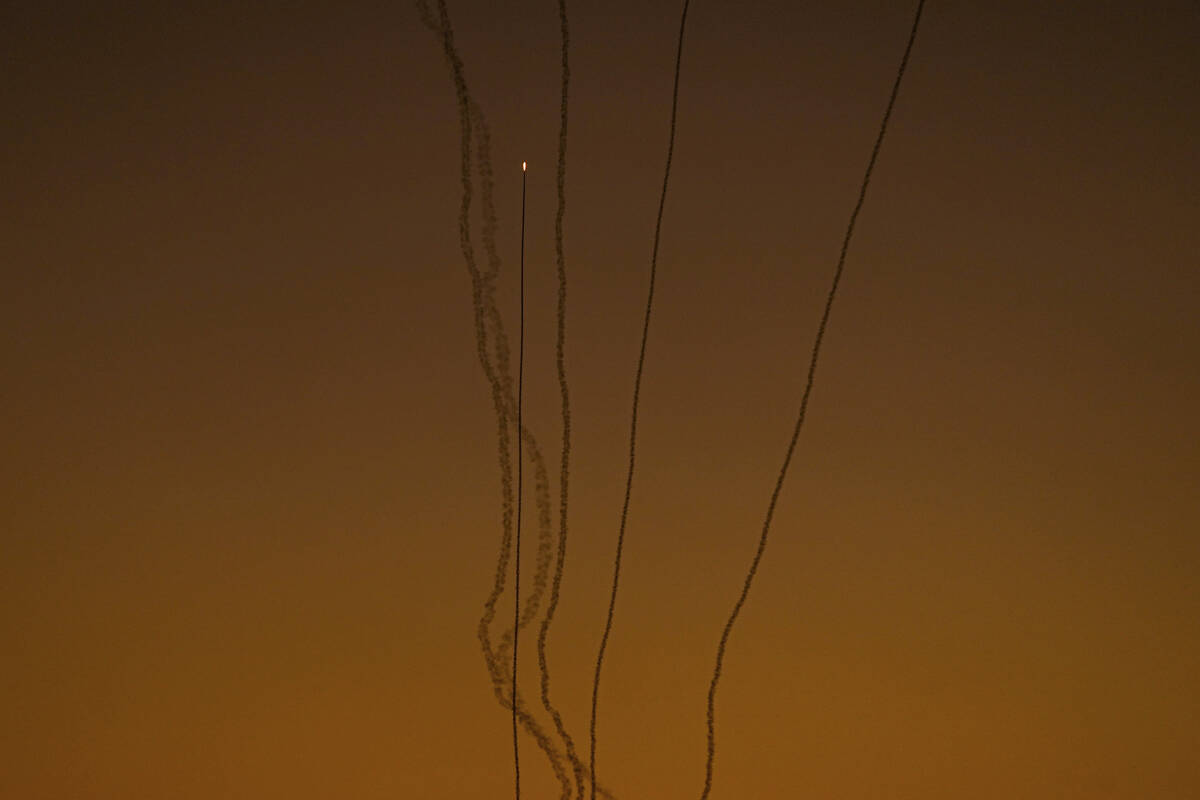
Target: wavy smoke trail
{"x":812,"y":368}
{"x":489,"y":327}
{"x":486,"y":316}
{"x":564,"y":394}
{"x":532,"y":605}
{"x":501,"y":373}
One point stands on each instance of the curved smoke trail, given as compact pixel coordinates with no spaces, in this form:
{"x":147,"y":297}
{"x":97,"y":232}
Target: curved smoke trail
{"x":486,"y":315}
{"x":812,"y":368}
{"x":564,"y":393}
{"x":499,"y":337}
{"x":637,"y":385}
{"x":489,"y":327}
{"x":502,"y":374}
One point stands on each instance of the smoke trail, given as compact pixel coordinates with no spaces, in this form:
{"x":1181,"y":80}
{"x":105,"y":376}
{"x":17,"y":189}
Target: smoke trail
{"x":520,"y":498}
{"x":502,"y":374}
{"x":482,"y":301}
{"x":812,"y":368}
{"x":560,"y":361}
{"x":499,"y":337}
{"x":488,"y":319}
{"x":637,"y":386}
{"x":540,"y":736}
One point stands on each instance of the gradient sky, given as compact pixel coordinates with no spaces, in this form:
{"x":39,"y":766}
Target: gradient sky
{"x":250,"y":497}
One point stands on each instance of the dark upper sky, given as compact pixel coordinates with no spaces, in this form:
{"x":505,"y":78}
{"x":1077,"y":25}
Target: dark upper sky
{"x":250,"y":497}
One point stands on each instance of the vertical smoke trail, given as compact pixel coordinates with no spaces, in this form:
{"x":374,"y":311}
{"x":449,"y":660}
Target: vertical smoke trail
{"x":483,"y":162}
{"x":482,"y":299}
{"x":541,"y":737}
{"x":520,"y":504}
{"x":560,"y":361}
{"x":637,"y":385}
{"x":488,"y":320}
{"x":812,"y":368}
{"x":502,"y":374}
{"x":500,"y":344}
{"x":443,"y":28}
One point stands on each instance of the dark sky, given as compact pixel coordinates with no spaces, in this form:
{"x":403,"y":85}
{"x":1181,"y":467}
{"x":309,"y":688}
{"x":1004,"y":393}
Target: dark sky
{"x":250,"y":504}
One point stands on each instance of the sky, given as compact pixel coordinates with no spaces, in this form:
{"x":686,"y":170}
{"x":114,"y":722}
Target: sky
{"x":250,"y":503}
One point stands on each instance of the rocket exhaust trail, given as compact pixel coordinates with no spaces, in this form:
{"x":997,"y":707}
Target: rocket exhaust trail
{"x":565,"y":404}
{"x":486,"y":315}
{"x":520,"y":471}
{"x":637,"y":385}
{"x":499,"y":349}
{"x":812,"y":369}
{"x":488,"y":324}
{"x":501,"y":373}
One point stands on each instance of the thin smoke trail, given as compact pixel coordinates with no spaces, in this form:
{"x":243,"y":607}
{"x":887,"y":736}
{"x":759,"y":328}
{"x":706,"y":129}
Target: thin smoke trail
{"x":502,"y":376}
{"x":442,"y":27}
{"x":637,"y":385}
{"x":541,"y":737}
{"x":500,"y":339}
{"x":812,"y":368}
{"x":564,"y":394}
{"x":520,"y":484}
{"x":481,"y":296}
{"x":486,"y":316}
{"x":483,"y":163}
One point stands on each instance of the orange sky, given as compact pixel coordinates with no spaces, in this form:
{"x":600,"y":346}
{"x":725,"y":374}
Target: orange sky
{"x":250,"y":504}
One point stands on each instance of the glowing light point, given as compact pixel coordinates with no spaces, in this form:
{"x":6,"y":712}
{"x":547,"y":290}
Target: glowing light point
{"x":522,"y":166}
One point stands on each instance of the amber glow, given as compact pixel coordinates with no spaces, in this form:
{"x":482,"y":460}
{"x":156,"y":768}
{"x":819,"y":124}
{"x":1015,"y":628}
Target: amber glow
{"x":251,"y":504}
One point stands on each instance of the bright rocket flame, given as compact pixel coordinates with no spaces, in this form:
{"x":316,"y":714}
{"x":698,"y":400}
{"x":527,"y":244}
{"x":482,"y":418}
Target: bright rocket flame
{"x":522,"y":166}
